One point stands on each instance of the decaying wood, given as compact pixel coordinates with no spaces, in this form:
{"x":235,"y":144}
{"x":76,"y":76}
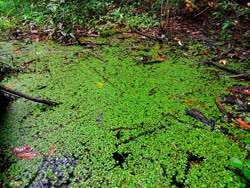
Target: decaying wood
{"x":142,"y":34}
{"x":199,"y":116}
{"x":243,"y":75}
{"x":26,"y":64}
{"x":86,"y":43}
{"x":236,"y":76}
{"x":96,"y":56}
{"x":230,"y":47}
{"x":14,"y":92}
{"x":228,"y":117}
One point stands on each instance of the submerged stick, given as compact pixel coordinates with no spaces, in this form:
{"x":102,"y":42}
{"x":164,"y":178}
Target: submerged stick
{"x":14,"y":92}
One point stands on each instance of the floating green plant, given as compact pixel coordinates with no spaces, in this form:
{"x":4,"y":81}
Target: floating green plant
{"x":120,"y":123}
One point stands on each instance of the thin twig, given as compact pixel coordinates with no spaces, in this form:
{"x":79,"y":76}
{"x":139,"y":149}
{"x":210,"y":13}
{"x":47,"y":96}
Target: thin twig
{"x":201,"y":12}
{"x":96,"y":56}
{"x":236,"y":76}
{"x":142,"y":34}
{"x":246,"y":76}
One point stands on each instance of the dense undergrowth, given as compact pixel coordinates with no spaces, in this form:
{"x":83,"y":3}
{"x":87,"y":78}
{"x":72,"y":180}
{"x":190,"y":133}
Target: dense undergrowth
{"x":112,"y":144}
{"x":107,"y":14}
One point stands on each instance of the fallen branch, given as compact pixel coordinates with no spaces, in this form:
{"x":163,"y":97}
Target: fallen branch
{"x":201,"y":12}
{"x":228,"y":116}
{"x":237,"y":76}
{"x":96,"y":56}
{"x":230,"y":47}
{"x":26,"y":64}
{"x":14,"y":92}
{"x":243,"y":75}
{"x":142,"y":34}
{"x":85,"y":43}
{"x":199,"y":116}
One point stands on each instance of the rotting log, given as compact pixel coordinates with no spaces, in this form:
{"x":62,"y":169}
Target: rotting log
{"x":17,"y":93}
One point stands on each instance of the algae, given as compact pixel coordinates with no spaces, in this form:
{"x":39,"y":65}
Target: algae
{"x":123,"y":123}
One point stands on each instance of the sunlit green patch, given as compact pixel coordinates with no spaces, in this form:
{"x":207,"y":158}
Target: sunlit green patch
{"x":123,"y":122}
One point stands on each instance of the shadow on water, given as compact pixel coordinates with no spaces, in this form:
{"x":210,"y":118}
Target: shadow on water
{"x":4,"y":101}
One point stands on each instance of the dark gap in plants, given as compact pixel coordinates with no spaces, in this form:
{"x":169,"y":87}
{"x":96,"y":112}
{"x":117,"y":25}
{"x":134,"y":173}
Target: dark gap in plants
{"x":118,"y":135}
{"x":164,"y":174}
{"x":4,"y":101}
{"x":194,"y":159}
{"x":191,"y":160}
{"x":141,"y":134}
{"x":152,"y":92}
{"x":99,"y":118}
{"x":132,"y":173}
{"x":41,"y":87}
{"x":44,"y":109}
{"x":120,"y":158}
{"x":147,"y":158}
{"x":239,"y":173}
{"x":176,"y":183}
{"x":5,"y":162}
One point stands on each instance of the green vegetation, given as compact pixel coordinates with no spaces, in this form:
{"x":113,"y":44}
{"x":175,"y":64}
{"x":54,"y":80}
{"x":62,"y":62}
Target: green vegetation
{"x":108,"y":14}
{"x":69,"y":14}
{"x":243,"y":166}
{"x":122,"y":131}
{"x":121,"y":121}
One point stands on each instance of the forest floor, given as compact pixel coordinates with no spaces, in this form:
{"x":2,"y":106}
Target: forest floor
{"x":131,"y":112}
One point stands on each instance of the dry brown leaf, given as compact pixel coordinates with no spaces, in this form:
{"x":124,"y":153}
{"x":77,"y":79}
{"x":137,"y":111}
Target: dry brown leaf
{"x":51,"y":150}
{"x":189,"y":101}
{"x":28,"y":155}
{"x":223,"y":61}
{"x":15,"y":183}
{"x":10,"y":85}
{"x":210,"y":3}
{"x":160,"y":58}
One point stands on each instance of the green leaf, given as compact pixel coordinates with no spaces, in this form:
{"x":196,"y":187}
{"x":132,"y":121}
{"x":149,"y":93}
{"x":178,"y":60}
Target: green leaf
{"x":246,"y":173}
{"x":225,"y":26}
{"x":248,"y":146}
{"x":248,"y":164}
{"x":236,"y":163}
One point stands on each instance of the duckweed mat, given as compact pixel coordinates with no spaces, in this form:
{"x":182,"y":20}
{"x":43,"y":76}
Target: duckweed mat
{"x":121,"y":121}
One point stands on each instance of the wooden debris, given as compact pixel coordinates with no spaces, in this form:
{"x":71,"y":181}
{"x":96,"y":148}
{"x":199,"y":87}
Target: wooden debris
{"x":228,"y":117}
{"x":242,"y":74}
{"x":199,"y":116}
{"x":14,"y":92}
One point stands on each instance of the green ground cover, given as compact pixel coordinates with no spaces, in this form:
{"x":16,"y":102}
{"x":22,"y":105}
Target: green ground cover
{"x":121,"y":121}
